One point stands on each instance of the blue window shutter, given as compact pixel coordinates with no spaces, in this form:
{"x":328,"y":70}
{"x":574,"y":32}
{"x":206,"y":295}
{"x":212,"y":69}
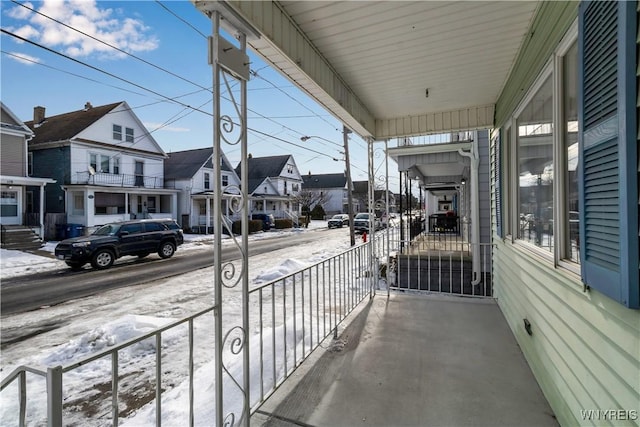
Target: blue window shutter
{"x":608,"y":143}
{"x":497,"y":173}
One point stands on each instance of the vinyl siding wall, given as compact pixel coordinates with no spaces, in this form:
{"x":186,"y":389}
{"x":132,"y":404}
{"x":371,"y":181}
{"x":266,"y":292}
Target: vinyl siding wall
{"x":585,"y":347}
{"x":12,"y":153}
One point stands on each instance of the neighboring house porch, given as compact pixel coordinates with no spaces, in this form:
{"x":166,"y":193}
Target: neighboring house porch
{"x":94,"y":206}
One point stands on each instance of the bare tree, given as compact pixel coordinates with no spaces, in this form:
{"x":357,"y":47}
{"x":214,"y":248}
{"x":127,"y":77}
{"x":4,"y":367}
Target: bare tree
{"x":308,"y":200}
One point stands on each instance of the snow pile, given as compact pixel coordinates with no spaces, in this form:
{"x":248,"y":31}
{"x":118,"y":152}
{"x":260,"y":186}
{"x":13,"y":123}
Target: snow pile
{"x":285,"y":268}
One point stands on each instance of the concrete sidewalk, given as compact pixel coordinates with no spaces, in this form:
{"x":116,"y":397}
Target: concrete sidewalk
{"x":414,"y":360}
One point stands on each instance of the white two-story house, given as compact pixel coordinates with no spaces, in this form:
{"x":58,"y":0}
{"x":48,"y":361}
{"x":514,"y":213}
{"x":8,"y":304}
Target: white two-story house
{"x":191,"y":172}
{"x":107,"y":166}
{"x":274,"y":183}
{"x":333,"y":189}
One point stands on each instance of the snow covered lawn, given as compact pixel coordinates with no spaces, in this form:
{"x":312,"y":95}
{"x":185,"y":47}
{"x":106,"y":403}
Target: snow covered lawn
{"x":72,"y":330}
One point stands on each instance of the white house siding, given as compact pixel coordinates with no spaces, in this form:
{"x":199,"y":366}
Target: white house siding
{"x":334,"y":200}
{"x":102,"y":131}
{"x":585,"y":348}
{"x":153,"y":165}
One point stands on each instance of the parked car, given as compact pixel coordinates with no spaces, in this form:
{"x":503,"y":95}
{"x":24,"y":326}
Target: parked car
{"x":112,"y":241}
{"x":338,"y":221}
{"x":361,"y":222}
{"x":267,"y":220}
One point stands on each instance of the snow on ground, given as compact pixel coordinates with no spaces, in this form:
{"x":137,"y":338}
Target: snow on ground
{"x":66,"y":332}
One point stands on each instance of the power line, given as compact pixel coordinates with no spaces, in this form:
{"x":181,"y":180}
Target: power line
{"x":186,"y":106}
{"x":109,"y":45}
{"x":255,"y":72}
{"x":23,"y":58}
{"x":182,"y":20}
{"x":96,"y":69}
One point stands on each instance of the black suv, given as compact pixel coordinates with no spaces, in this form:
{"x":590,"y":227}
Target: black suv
{"x":112,"y":241}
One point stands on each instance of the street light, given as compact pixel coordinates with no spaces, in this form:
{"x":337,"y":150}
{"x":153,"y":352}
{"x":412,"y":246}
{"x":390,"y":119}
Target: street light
{"x":308,"y":137}
{"x":345,"y":134}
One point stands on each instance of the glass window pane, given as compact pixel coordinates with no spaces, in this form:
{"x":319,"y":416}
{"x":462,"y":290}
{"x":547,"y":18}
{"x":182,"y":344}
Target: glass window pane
{"x":535,"y":169}
{"x":104,"y":164}
{"x":117,"y":132}
{"x":570,"y":146}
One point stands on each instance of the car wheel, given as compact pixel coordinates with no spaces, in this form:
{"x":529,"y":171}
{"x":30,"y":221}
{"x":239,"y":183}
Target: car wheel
{"x":167,"y":249}
{"x":75,"y":266}
{"x":144,"y":254}
{"x":102,"y":259}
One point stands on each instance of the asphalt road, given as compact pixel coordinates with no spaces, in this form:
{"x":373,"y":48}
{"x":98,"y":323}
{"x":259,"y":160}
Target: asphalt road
{"x":31,"y":292}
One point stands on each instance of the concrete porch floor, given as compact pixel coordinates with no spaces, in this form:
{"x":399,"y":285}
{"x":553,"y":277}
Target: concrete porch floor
{"x":414,"y":360}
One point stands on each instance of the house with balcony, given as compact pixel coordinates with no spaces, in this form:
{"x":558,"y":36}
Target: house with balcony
{"x":191,"y":173}
{"x":21,"y":197}
{"x":106,"y":164}
{"x":334,"y":190}
{"x":274,"y":182}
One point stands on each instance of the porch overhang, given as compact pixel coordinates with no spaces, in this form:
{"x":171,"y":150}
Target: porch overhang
{"x":393,"y":69}
{"x":23,"y":180}
{"x":433,"y":164}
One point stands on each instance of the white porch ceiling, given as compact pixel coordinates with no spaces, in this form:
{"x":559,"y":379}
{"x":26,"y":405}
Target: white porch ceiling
{"x":370,"y":63}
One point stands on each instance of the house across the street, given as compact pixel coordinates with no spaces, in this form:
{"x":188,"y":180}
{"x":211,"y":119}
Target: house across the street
{"x":107,"y":166}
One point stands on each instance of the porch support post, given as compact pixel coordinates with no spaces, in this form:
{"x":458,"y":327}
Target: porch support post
{"x":372,"y":220}
{"x":207,"y":212}
{"x":41,"y":221}
{"x":386,"y":193}
{"x":475,"y":210}
{"x":230,"y":66}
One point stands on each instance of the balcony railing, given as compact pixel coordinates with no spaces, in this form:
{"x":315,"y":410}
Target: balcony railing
{"x":119,"y":180}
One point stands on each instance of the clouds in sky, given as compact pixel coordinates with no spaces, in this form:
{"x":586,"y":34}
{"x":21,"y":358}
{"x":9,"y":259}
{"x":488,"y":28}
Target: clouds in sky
{"x":106,"y":24}
{"x":23,"y":58}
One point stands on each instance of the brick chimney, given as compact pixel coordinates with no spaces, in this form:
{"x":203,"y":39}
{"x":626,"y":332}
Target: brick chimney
{"x":38,"y":115}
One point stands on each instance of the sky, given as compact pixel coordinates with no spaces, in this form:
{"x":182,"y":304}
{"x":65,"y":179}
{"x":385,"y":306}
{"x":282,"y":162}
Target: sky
{"x":164,"y":76}
{"x":87,"y":325}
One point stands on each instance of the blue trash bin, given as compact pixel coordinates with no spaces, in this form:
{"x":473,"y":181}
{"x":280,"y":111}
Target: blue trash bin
{"x":75,"y":230}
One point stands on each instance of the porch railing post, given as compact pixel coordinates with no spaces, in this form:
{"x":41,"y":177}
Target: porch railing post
{"x":54,"y":396}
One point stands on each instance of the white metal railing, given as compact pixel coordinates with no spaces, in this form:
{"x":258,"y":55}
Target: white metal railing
{"x":53,"y":395}
{"x":292,"y":315}
{"x":297,"y":312}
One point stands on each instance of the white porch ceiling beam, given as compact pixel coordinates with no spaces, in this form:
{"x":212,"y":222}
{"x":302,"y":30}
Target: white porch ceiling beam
{"x":285,"y":46}
{"x":438,"y":122}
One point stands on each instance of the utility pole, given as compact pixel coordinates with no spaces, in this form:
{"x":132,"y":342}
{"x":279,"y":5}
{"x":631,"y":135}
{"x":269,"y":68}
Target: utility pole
{"x":345,"y":135}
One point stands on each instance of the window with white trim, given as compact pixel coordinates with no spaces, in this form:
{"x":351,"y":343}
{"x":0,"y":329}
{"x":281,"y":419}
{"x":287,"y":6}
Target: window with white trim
{"x":117,"y":132}
{"x":99,"y":162}
{"x":128,"y":134}
{"x":225,"y":180}
{"x":207,"y":181}
{"x":539,"y":149}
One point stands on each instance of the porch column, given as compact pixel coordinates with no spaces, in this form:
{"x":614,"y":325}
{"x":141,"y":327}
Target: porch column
{"x":174,"y":206}
{"x":41,"y":221}
{"x":230,"y":64}
{"x":207,"y":221}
